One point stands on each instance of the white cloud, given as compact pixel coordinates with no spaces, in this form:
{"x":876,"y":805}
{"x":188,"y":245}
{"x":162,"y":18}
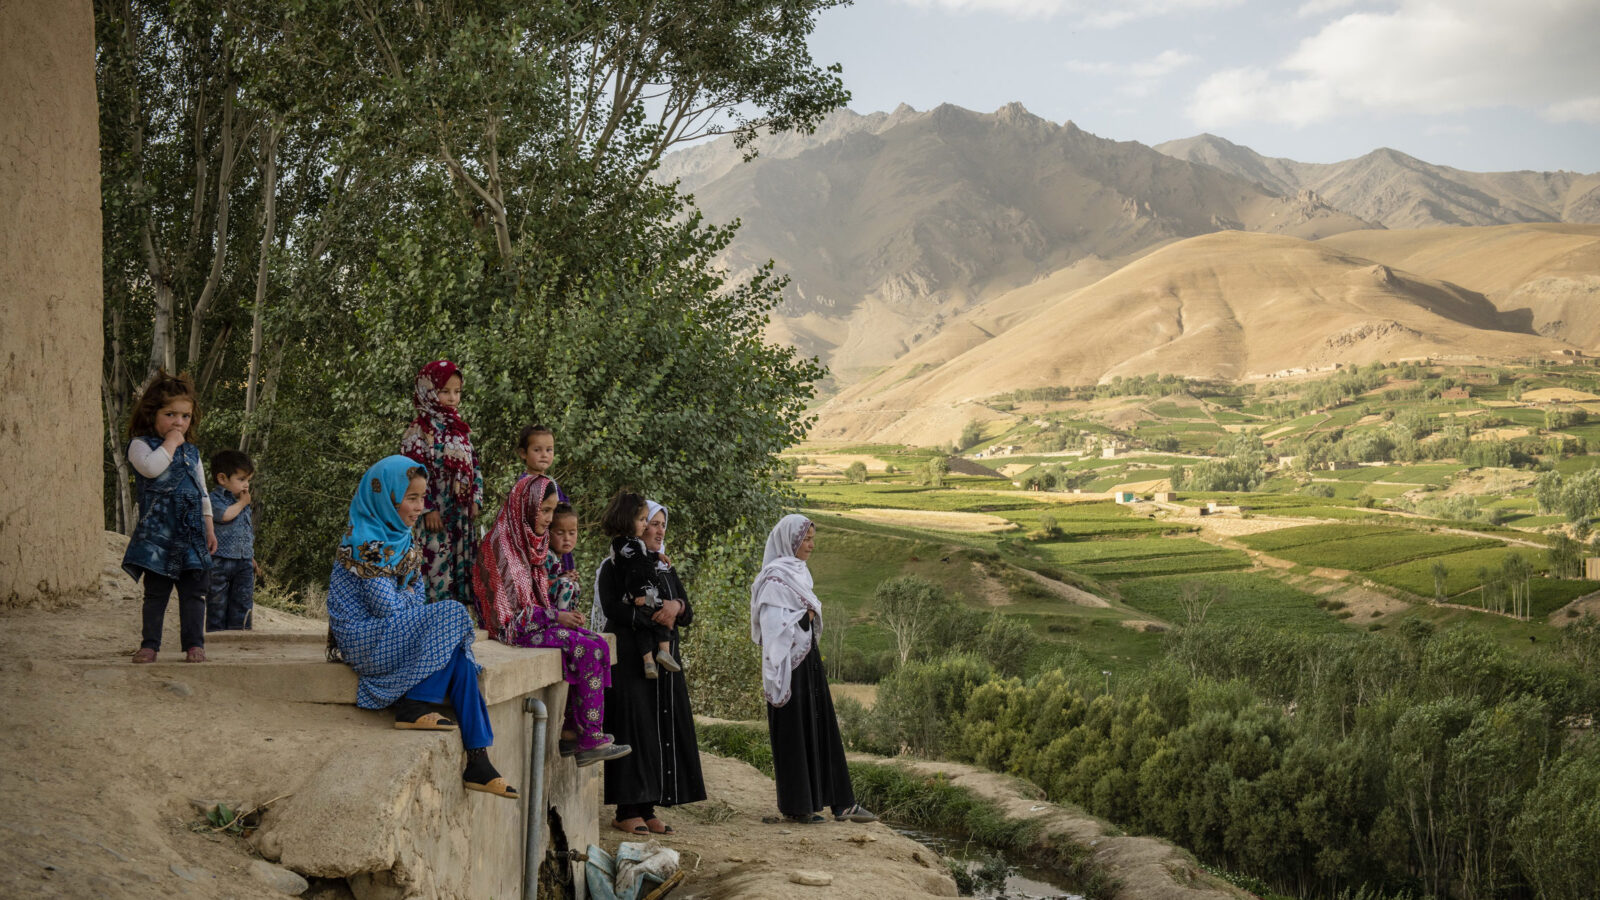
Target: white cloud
{"x":1094,"y":13}
{"x":1140,"y":78}
{"x":1162,"y":64}
{"x":1322,"y":7}
{"x":1582,"y":109}
{"x":1424,"y":57}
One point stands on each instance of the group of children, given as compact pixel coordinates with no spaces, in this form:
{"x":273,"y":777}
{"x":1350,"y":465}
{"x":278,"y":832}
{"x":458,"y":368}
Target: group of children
{"x":193,"y":537}
{"x":523,"y":587}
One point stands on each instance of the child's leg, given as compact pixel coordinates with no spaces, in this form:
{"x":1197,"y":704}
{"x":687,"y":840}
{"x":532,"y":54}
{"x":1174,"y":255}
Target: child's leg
{"x":241,"y":594}
{"x":217,"y":587}
{"x":192,"y":607}
{"x":157,"y":590}
{"x":589,"y":668}
{"x":472,"y":714}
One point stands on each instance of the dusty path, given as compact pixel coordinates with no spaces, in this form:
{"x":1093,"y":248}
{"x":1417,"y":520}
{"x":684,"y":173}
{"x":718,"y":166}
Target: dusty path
{"x":729,"y":854}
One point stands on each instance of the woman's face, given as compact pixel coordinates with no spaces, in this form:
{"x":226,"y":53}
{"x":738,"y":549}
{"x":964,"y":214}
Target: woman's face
{"x":547,"y":509}
{"x":450,"y":394}
{"x":655,"y":531}
{"x":807,"y":544}
{"x":410,"y":506}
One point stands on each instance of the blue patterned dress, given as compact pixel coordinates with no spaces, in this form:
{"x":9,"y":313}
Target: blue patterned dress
{"x":171,"y":535}
{"x":390,"y":635}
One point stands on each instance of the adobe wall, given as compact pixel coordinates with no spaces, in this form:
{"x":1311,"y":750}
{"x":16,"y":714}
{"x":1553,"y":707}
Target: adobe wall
{"x":50,"y":297}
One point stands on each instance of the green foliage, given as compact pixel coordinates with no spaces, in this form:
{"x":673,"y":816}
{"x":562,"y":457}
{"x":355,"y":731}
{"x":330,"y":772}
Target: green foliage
{"x":1556,"y":835}
{"x":736,"y":741}
{"x":469,"y":180}
{"x":971,"y":434}
{"x":918,"y":701}
{"x":856,"y":472}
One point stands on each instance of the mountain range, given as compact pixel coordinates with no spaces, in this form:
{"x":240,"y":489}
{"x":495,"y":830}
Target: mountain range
{"x":938,"y":257}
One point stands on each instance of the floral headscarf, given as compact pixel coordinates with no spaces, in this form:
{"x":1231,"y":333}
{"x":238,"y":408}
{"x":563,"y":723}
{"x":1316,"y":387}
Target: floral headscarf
{"x":510,"y":575}
{"x":377,"y":542}
{"x":450,"y":432}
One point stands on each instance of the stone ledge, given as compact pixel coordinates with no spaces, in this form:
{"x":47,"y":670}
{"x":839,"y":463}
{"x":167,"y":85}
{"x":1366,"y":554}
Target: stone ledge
{"x":292,"y":665}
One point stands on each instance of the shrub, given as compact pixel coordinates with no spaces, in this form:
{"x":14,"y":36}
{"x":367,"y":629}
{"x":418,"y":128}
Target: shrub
{"x":918,"y":702}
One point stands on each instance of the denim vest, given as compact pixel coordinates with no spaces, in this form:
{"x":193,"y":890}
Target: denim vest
{"x":171,"y":535}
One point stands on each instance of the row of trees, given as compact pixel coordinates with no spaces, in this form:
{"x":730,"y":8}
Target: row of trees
{"x":1435,"y":763}
{"x":304,"y":202}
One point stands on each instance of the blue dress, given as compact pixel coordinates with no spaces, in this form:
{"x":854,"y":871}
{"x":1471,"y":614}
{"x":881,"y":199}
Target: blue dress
{"x":390,"y":635}
{"x":171,"y":535}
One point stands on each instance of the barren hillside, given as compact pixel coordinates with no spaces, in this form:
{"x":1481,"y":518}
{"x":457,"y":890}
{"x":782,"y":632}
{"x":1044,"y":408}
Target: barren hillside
{"x":892,"y":225}
{"x":1547,"y":273}
{"x":1229,"y":306}
{"x":1400,"y":191}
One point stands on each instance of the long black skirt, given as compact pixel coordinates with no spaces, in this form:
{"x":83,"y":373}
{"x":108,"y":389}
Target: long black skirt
{"x":807,"y":753}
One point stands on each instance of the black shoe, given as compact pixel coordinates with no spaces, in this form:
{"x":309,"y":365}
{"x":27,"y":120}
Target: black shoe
{"x":602,"y":753}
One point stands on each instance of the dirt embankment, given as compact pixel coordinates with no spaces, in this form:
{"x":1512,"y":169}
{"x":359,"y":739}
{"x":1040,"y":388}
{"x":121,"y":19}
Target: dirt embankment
{"x":1146,"y":868}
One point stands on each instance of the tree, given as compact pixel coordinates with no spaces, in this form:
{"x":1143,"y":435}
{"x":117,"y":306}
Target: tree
{"x":971,"y":434}
{"x":1196,"y":599}
{"x":1565,"y":556}
{"x":1556,"y":835}
{"x":936,"y":470}
{"x":856,"y":472}
{"x":909,"y":607}
{"x":1441,"y":577}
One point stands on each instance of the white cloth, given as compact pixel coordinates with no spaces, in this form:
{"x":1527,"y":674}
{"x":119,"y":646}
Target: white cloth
{"x":651,"y":508}
{"x":781,"y":596}
{"x":151,"y":463}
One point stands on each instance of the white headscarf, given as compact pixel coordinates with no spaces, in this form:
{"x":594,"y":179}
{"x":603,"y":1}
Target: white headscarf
{"x":651,"y":508}
{"x":597,"y":611}
{"x":781,"y":596}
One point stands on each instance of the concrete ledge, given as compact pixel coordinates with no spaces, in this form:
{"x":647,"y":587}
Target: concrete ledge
{"x":293,"y":666}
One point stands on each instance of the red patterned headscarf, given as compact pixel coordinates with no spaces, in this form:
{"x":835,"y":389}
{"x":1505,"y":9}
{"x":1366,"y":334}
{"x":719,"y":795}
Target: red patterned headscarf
{"x":510,"y":576}
{"x":448,"y":429}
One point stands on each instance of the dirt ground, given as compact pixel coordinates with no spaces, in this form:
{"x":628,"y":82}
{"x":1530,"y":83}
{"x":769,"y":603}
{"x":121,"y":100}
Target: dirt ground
{"x":730,"y":854}
{"x":103,"y":762}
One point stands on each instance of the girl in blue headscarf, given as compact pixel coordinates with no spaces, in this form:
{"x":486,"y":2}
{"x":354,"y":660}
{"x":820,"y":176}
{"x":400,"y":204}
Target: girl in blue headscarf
{"x":408,"y":653}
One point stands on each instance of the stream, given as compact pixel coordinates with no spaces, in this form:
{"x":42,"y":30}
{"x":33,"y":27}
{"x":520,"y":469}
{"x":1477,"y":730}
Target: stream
{"x":1022,"y":882}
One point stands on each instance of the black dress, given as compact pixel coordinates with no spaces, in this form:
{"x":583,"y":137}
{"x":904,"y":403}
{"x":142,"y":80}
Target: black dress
{"x":650,"y":715}
{"x":807,"y":753}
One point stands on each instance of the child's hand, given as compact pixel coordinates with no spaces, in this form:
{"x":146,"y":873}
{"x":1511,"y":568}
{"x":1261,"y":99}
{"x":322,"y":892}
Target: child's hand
{"x":474,"y":513}
{"x":172,"y":440}
{"x":433,"y":521}
{"x":244,"y":497}
{"x":211,"y":537}
{"x":256,"y":565}
{"x":640,"y":601}
{"x":569,"y":619}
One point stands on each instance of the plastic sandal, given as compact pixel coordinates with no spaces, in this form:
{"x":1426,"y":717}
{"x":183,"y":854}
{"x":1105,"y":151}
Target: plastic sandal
{"x":195,"y":654}
{"x":496,"y":786}
{"x":145,"y":655}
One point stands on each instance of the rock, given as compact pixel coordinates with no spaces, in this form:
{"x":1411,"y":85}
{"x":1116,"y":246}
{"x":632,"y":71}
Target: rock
{"x":862,"y":838}
{"x":179,"y":688}
{"x":814,"y":879}
{"x":267,"y":843}
{"x":278,"y":878}
{"x":190,"y":874}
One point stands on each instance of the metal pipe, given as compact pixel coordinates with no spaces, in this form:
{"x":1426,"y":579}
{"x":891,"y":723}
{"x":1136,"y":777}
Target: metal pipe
{"x":534,"y":826}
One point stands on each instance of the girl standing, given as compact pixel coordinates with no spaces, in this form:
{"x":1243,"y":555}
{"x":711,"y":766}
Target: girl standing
{"x":173,"y":542}
{"x":785,"y":617}
{"x":438,"y":438}
{"x":513,"y":588}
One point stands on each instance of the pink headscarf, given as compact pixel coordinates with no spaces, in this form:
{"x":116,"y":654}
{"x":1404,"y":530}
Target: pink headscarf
{"x":510,"y":576}
{"x":447,"y":428}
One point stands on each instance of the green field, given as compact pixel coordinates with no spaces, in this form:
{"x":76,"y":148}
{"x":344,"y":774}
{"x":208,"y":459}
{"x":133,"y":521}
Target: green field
{"x":1241,"y":598}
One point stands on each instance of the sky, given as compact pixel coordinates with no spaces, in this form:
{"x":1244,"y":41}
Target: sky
{"x":1481,"y":85}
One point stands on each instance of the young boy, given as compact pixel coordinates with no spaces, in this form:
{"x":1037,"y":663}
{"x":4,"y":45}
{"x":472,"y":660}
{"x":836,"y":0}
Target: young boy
{"x":537,"y":447}
{"x":233,"y":578}
{"x":564,"y":589}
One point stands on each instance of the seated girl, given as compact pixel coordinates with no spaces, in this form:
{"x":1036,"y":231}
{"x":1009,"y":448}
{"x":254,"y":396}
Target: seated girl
{"x":408,"y":653}
{"x":512,"y":584}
